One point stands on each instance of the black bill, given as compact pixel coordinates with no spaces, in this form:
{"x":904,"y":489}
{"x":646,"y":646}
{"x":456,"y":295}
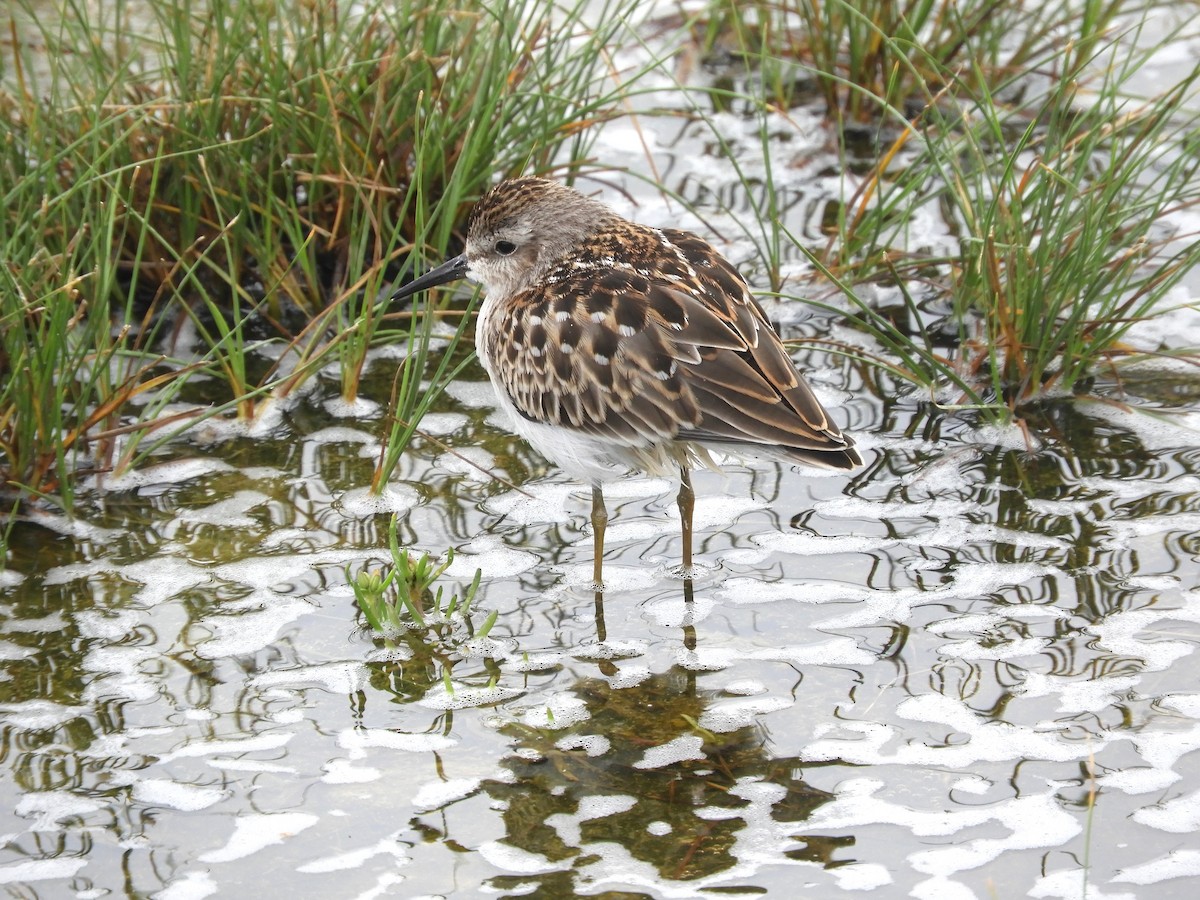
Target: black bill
{"x":450,"y":270}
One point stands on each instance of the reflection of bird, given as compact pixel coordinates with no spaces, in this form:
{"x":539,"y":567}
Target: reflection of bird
{"x":616,"y":346}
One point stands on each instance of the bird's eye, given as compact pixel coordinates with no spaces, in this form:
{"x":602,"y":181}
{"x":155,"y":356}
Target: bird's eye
{"x":506,"y":248}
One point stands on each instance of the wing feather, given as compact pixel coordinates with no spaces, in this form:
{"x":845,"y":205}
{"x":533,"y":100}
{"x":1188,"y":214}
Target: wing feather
{"x":676,"y":349}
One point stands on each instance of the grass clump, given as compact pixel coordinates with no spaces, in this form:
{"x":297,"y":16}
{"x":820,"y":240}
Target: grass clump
{"x":407,"y":587}
{"x":865,"y":57}
{"x":232,"y":175}
{"x":1055,"y":178}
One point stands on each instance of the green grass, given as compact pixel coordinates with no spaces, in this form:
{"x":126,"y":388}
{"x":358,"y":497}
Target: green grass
{"x":251,"y":174}
{"x":1052,"y":176}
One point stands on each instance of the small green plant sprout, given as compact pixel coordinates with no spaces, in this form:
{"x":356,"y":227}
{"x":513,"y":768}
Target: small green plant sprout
{"x":384,"y":596}
{"x":370,"y":588}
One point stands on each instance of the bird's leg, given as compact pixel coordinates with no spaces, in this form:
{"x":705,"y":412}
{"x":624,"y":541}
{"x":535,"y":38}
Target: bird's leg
{"x":599,"y":523}
{"x":687,"y":502}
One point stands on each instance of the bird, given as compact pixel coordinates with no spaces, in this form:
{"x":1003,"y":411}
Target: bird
{"x":614,"y":346}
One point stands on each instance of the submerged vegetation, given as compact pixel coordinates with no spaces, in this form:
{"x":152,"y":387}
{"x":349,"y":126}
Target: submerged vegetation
{"x":203,"y":209}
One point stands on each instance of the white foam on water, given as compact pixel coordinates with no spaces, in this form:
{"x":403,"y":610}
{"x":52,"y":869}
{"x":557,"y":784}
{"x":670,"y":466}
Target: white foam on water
{"x":836,"y":651}
{"x":1069,"y":884}
{"x":675,"y":611}
{"x":341,"y":434}
{"x":1123,"y":534}
{"x":39,"y":715}
{"x":1176,"y":864}
{"x":491,"y":555}
{"x":162,"y":578}
{"x":441,"y":424}
{"x":192,"y":886}
{"x":231,"y":512}
{"x":390,"y":654}
{"x":1034,"y":821}
{"x":360,"y":503}
{"x":589,"y":808}
{"x":629,"y":676}
{"x":1188,"y":704}
{"x":1066,"y":508}
{"x":680,"y":749}
{"x":258,"y":620}
{"x":271,"y":741}
{"x":730,"y":715}
{"x":597,"y":650}
{"x":41,"y":870}
{"x":1179,"y":429}
{"x":561,"y":710}
{"x":473,"y":394}
{"x":976,"y":649}
{"x":54,"y":622}
{"x":658,"y":829}
{"x":49,"y":808}
{"x":357,"y":741}
{"x":535,"y":504}
{"x":251,"y":765}
{"x":1118,"y":634}
{"x":174,"y":472}
{"x":746,"y":591}
{"x":953,"y":535}
{"x":486,"y":647}
{"x":542,"y":661}
{"x":108,"y":625}
{"x":437,"y":794}
{"x":942,"y":889}
{"x":847,"y":507}
{"x":1139,"y":780}
{"x":73,"y":528}
{"x":745,"y":687}
{"x":253,"y":832}
{"x":464,"y":696}
{"x":590,"y":744}
{"x":9,"y":578}
{"x":392,"y":846}
{"x":1076,"y":695}
{"x":10,"y":652}
{"x":705,"y":659}
{"x":1178,"y":815}
{"x":358,"y":408}
{"x":814,"y":544}
{"x":342,"y":771}
{"x":299,"y":539}
{"x":989,"y":741}
{"x":175,"y":795}
{"x":972,"y":784}
{"x":334,"y":677}
{"x":861,"y":876}
{"x":473,"y":463}
{"x":268,"y":418}
{"x":521,"y":862}
{"x":616,"y":578}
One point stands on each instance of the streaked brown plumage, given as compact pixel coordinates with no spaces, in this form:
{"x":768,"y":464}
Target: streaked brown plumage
{"x":616,"y":346}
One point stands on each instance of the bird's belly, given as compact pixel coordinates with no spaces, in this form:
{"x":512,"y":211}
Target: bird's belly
{"x":582,"y":456}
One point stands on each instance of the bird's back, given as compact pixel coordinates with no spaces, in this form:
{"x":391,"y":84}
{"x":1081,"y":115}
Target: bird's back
{"x":645,"y":341}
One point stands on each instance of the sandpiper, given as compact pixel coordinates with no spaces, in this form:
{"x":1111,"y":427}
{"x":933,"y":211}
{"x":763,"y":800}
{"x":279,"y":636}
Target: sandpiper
{"x":615,"y":346}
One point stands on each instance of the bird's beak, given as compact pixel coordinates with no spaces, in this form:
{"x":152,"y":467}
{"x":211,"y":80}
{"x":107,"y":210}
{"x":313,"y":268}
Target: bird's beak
{"x":450,"y":270}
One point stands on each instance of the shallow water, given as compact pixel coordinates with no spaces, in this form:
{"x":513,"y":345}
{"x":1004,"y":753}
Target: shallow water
{"x":965,"y":670}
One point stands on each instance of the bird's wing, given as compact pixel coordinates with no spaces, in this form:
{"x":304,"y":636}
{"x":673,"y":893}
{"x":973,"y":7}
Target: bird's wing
{"x":644,"y":355}
{"x":748,"y":388}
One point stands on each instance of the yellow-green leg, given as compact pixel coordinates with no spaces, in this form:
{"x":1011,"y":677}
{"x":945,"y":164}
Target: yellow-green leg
{"x":687,"y":502}
{"x":599,"y":523}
